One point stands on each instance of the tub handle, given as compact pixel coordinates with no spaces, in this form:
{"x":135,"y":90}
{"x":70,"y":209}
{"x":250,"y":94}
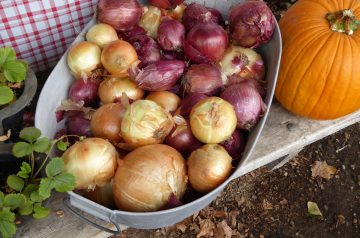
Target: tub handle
{"x":69,"y":207}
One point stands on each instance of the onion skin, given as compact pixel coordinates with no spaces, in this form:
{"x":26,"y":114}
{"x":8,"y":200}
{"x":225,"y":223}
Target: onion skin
{"x":147,"y":177}
{"x":161,"y":75}
{"x":85,"y":90}
{"x":117,"y":57}
{"x":205,"y":43}
{"x":260,"y":86}
{"x":196,"y":13}
{"x":146,"y":48}
{"x":171,"y":35}
{"x":212,"y":120}
{"x":208,"y":167}
{"x":122,"y":15}
{"x":150,"y":20}
{"x":101,"y":195}
{"x":106,"y":122}
{"x":145,"y":123}
{"x":251,"y":23}
{"x":112,"y":89}
{"x":101,"y":34}
{"x":182,"y":139}
{"x":176,"y":13}
{"x":166,"y":4}
{"x":189,"y":101}
{"x":203,"y":78}
{"x":235,"y":145}
{"x":247,"y":102}
{"x":77,"y":123}
{"x":92,"y":161}
{"x":242,"y":64}
{"x":167,"y":100}
{"x":83,"y":57}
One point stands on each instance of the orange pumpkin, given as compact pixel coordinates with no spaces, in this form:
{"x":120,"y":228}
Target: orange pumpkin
{"x":319,"y":75}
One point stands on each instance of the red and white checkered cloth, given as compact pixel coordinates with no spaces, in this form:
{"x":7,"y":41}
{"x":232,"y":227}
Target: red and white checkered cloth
{"x":41,"y":30}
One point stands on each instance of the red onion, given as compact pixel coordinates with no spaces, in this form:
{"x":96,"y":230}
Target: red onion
{"x":146,"y":48}
{"x":243,"y":63}
{"x":178,"y":89}
{"x":85,"y":90}
{"x":205,"y":43}
{"x":78,"y":124}
{"x":189,"y":101}
{"x":196,"y":13}
{"x":122,"y":15}
{"x":247,"y":103}
{"x":28,"y":119}
{"x":235,"y":144}
{"x":166,"y":4}
{"x":258,"y":84}
{"x":181,"y":138}
{"x":171,"y":35}
{"x":251,"y":23}
{"x":203,"y":78}
{"x":129,"y":34}
{"x":173,"y":55}
{"x":161,"y":75}
{"x":173,"y":202}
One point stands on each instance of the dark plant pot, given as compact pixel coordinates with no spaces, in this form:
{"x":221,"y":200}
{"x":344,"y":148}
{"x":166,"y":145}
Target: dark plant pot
{"x":11,"y":115}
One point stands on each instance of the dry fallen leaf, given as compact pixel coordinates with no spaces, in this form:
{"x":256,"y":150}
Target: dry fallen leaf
{"x":224,"y":229}
{"x":267,"y":205}
{"x":206,"y":228}
{"x":232,"y":217}
{"x":322,"y":169}
{"x":181,"y":227}
{"x":240,"y":200}
{"x":5,"y":137}
{"x":314,"y":210}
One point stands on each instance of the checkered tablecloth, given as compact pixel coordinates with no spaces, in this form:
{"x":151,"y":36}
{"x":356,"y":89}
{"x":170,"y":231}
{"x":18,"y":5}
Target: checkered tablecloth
{"x":41,"y":30}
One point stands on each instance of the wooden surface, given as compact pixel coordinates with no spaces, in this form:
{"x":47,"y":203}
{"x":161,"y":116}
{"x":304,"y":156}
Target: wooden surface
{"x":283,"y":134}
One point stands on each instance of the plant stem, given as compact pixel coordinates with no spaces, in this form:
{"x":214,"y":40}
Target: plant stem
{"x":32,"y":159}
{"x":343,"y":21}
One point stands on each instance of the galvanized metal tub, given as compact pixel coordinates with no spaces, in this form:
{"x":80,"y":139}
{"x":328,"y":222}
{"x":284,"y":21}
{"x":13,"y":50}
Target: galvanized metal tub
{"x":56,"y":89}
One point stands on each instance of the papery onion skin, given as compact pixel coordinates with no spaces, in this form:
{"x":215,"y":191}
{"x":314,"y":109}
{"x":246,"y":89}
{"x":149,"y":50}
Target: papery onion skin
{"x":92,"y":161}
{"x":117,"y":57}
{"x":203,"y":78}
{"x":83,"y":57}
{"x":208,"y":167}
{"x":150,"y":20}
{"x":161,"y":75}
{"x":144,"y":123}
{"x":112,"y":89}
{"x":235,"y":144}
{"x":243,"y":63}
{"x":122,"y":15}
{"x":176,"y":13}
{"x":166,"y":4}
{"x":101,"y":195}
{"x":259,"y":85}
{"x":205,"y":43}
{"x":167,"y":100}
{"x":101,"y":34}
{"x":78,"y":124}
{"x":189,"y":101}
{"x":247,"y":102}
{"x":182,"y":139}
{"x":251,"y":23}
{"x":171,"y":35}
{"x":106,"y":122}
{"x":212,"y":120}
{"x":85,"y":90}
{"x":147,"y":176}
{"x":147,"y":49}
{"x":196,"y":13}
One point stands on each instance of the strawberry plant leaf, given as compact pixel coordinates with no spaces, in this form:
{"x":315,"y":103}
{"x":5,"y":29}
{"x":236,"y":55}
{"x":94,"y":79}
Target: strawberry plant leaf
{"x":7,"y":54}
{"x":15,"y":71}
{"x":21,"y":149}
{"x":14,"y":201}
{"x":6,"y":95}
{"x":42,"y":145}
{"x":25,"y":170}
{"x":64,"y":182}
{"x":30,"y":134}
{"x":54,"y":167}
{"x":15,"y":182}
{"x":7,"y":223}
{"x":40,"y":211}
{"x":27,"y":208}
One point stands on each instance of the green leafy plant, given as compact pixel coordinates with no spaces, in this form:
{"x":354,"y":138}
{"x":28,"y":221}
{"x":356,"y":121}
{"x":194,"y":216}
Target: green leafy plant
{"x":26,"y":191}
{"x":12,"y":73}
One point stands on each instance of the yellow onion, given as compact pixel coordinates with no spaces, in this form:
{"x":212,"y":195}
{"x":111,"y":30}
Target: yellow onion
{"x":92,"y":161}
{"x":212,"y":120}
{"x":145,"y":123}
{"x":106,"y":122}
{"x":147,"y":177}
{"x":101,"y":34}
{"x":101,"y":195}
{"x":83,"y":58}
{"x":117,"y":57}
{"x":111,"y":90}
{"x":208,"y":167}
{"x":167,"y":100}
{"x":150,"y":20}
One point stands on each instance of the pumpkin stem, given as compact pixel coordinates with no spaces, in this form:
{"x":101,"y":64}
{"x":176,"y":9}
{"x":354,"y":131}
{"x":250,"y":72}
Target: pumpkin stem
{"x":343,"y":21}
